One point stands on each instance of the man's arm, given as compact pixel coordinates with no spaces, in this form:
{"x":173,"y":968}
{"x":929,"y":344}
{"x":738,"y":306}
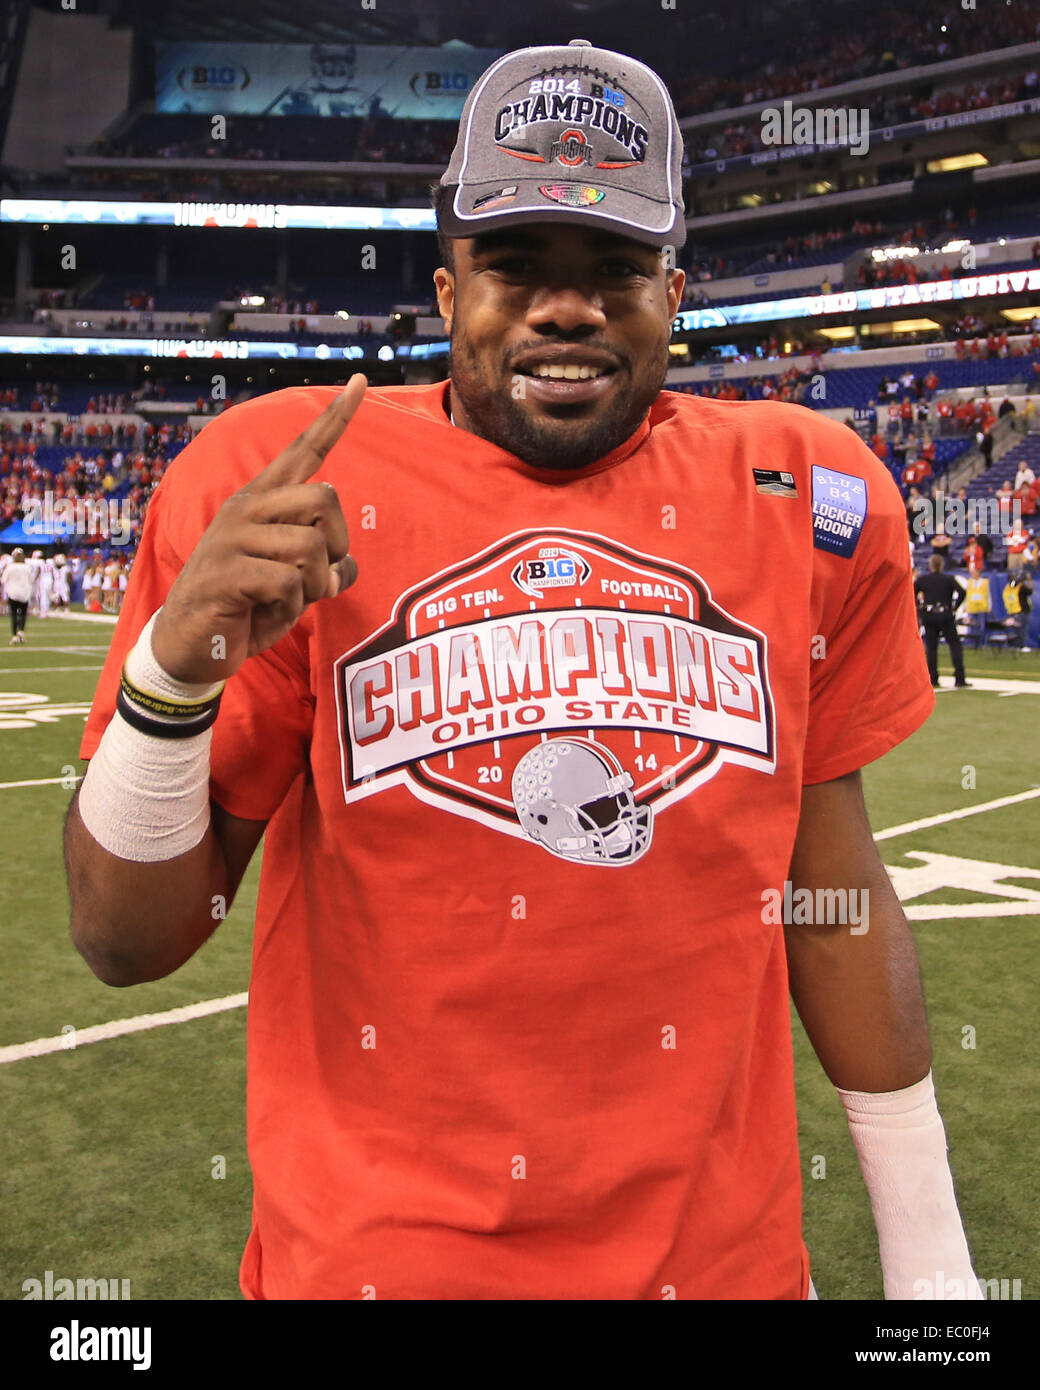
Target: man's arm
{"x":858,"y":995}
{"x":141,"y":900}
{"x":134,"y":922}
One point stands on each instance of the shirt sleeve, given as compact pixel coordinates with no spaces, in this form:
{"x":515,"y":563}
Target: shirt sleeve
{"x":870,"y":689}
{"x":261,"y":737}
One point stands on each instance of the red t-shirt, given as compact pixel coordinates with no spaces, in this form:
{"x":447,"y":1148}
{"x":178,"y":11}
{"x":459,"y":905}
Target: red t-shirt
{"x":1016,"y":541}
{"x":481,"y":1063}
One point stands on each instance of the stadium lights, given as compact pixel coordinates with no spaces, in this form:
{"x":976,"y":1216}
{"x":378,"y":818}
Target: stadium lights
{"x":883,"y":330}
{"x":385,"y":353}
{"x":1024,"y":314}
{"x":252,"y":301}
{"x":953,"y":163}
{"x":894,"y":253}
{"x":343,"y":313}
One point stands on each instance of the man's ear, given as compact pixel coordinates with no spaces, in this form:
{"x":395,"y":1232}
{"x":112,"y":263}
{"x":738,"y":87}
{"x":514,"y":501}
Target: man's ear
{"x":445,"y":283}
{"x":676,"y":285}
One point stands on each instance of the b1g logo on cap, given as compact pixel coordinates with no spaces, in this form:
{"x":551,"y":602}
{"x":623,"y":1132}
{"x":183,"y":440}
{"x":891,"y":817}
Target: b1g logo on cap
{"x":572,"y":195}
{"x":553,"y":568}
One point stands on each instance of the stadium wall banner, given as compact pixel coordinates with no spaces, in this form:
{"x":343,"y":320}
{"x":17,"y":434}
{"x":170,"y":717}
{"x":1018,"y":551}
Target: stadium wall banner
{"x":1008,"y":111}
{"x":258,"y":216}
{"x":857,"y":301}
{"x":231,"y":349}
{"x":321,"y":79}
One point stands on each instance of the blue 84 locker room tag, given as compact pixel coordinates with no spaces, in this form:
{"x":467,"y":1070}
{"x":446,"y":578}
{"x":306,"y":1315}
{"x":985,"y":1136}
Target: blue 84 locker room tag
{"x":839,"y":508}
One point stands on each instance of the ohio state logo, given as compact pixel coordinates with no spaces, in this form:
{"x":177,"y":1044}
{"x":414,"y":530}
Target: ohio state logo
{"x":571,"y":149}
{"x":560,"y":640}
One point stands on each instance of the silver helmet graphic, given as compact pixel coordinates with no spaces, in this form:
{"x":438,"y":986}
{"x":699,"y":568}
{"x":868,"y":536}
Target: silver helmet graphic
{"x":574,"y":797}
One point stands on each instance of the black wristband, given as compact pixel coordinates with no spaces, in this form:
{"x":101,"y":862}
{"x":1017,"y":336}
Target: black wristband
{"x":146,"y":725}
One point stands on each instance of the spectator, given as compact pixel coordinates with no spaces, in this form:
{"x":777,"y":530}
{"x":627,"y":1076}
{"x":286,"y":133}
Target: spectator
{"x":974,"y":557}
{"x":985,"y":443}
{"x":1025,"y":477}
{"x":1016,"y":541}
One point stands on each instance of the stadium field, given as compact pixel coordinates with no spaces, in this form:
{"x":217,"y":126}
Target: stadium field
{"x":125,"y":1157}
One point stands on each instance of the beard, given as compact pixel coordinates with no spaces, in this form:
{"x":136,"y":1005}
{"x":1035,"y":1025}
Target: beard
{"x":560,"y":439}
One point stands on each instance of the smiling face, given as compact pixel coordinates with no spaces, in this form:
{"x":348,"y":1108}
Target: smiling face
{"x":559,"y":338}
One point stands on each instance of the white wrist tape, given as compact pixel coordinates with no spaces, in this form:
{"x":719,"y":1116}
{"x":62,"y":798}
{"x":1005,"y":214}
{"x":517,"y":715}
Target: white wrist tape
{"x":901,"y":1144}
{"x":146,"y":799}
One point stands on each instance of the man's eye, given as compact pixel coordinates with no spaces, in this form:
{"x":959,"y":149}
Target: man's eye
{"x":513,"y":265}
{"x":621,"y":269}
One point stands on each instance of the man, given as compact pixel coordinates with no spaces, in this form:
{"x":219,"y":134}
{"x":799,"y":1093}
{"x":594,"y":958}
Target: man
{"x":938,"y":598}
{"x":985,"y":442}
{"x":61,"y":582}
{"x":37,"y":570}
{"x":1025,"y":477}
{"x":519,"y":1016}
{"x":1016,"y":541}
{"x":16,"y":582}
{"x":917,"y":474}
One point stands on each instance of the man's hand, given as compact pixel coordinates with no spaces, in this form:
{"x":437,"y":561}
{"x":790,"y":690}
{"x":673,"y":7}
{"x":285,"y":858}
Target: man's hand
{"x":276,"y":546}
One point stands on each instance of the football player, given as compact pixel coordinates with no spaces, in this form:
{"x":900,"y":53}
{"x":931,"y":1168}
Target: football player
{"x":533,"y":759}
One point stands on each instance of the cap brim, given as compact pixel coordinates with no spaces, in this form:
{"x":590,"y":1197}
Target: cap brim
{"x":629,"y":215}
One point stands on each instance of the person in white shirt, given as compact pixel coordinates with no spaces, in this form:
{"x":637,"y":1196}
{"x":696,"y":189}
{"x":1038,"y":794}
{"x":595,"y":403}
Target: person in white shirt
{"x":1025,"y":477}
{"x":46,"y":586}
{"x":35,"y":563}
{"x":91,"y":579}
{"x":60,"y":586}
{"x":17,"y":582}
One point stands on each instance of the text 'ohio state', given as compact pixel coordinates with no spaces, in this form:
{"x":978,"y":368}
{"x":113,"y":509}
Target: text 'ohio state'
{"x":528,"y":674}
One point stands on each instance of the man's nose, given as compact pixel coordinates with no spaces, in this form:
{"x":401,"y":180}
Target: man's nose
{"x":566,"y":307}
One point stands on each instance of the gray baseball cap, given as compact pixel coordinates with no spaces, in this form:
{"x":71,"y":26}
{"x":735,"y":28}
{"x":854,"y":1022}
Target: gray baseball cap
{"x":570,"y":134}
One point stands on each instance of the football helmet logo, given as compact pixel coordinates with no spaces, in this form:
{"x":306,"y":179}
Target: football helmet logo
{"x":574,"y":797}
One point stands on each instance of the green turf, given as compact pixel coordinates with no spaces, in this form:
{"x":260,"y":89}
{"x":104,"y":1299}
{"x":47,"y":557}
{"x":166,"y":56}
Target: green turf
{"x":107,"y":1150}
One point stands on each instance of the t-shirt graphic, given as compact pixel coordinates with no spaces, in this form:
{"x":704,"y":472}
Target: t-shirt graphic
{"x":556,"y":686}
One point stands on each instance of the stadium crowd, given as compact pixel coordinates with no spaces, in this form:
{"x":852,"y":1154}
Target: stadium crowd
{"x":889,"y":39}
{"x":745,"y":137}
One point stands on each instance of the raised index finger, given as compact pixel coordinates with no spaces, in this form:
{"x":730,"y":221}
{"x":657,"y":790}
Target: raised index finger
{"x":302,"y":458}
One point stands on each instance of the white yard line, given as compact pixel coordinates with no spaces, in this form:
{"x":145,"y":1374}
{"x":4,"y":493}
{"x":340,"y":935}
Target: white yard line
{"x":962,"y":814}
{"x":41,"y":1047}
{"x":118,"y":1028}
{"x":40,"y":782}
{"x":934,"y":913}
